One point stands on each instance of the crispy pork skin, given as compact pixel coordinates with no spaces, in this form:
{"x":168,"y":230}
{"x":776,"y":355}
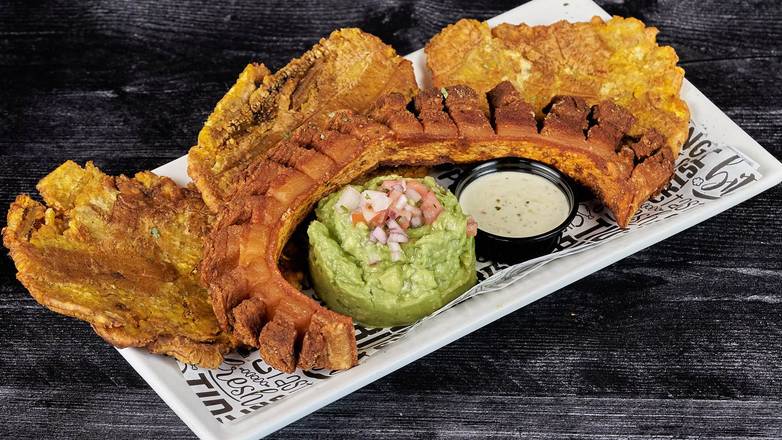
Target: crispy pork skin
{"x":588,"y":143}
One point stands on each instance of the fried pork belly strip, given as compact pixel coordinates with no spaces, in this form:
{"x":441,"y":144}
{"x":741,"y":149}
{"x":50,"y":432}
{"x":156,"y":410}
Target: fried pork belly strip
{"x":348,"y":70}
{"x":253,"y":300}
{"x":122,"y":254}
{"x":618,"y":60}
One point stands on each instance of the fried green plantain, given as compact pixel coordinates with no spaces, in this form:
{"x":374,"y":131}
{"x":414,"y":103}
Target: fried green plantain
{"x":618,"y":60}
{"x":348,"y":70}
{"x":122,"y":254}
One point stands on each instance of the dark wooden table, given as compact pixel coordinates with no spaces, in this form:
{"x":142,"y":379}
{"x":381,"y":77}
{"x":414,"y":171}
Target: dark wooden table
{"x":679,"y":341}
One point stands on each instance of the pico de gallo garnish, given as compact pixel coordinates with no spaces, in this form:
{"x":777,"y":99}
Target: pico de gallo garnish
{"x":396,"y":206}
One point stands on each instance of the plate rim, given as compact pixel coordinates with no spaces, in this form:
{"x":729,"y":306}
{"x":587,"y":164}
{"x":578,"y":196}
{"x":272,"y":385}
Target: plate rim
{"x":164,"y":376}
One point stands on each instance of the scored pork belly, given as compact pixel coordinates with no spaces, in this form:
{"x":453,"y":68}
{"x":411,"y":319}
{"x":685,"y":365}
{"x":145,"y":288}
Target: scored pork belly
{"x":253,"y":300}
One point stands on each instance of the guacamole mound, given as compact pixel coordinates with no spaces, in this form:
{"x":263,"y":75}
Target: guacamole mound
{"x":355,"y":276}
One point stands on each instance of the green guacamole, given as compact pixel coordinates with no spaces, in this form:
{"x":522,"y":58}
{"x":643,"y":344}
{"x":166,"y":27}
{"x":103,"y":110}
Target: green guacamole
{"x":437,"y":263}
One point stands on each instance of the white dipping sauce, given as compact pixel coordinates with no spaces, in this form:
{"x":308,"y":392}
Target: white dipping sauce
{"x":514,"y":204}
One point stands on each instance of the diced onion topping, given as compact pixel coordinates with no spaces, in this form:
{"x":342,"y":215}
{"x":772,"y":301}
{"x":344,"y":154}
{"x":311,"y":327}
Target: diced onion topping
{"x":413,"y":195}
{"x":379,"y":235}
{"x":389,"y":211}
{"x":350,"y":199}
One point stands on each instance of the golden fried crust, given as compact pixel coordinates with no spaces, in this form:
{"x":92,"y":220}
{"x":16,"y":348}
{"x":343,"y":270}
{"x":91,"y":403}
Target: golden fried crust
{"x":618,"y":60}
{"x":329,"y":342}
{"x":122,"y":254}
{"x":588,"y":143}
{"x":349,"y":70}
{"x":261,"y":217}
{"x":277,"y":341}
{"x":248,"y":318}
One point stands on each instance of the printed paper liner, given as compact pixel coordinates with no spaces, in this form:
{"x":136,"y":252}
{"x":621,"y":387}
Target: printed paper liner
{"x":705,"y":171}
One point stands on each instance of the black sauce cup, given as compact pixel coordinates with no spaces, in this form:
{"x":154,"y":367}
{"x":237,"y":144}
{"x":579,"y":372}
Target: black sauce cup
{"x":511,"y":250}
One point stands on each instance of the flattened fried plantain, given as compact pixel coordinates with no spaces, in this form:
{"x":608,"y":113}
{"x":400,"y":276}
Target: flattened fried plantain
{"x":618,"y":60}
{"x":122,"y":254}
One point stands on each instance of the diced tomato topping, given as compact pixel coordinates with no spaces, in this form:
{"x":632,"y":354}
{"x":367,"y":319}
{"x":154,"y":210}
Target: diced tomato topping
{"x":418,"y":187}
{"x":431,"y":208}
{"x":378,"y":219}
{"x":396,"y":206}
{"x":357,"y":217}
{"x":472,"y":227}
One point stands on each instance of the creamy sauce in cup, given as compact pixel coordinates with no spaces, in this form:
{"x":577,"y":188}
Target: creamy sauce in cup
{"x":515,"y":204}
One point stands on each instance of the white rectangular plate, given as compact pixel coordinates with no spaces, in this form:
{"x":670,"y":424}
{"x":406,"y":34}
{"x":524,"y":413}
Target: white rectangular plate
{"x":164,"y":376}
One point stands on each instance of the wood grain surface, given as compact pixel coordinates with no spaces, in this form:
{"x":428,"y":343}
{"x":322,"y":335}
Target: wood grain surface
{"x":681,"y":341}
